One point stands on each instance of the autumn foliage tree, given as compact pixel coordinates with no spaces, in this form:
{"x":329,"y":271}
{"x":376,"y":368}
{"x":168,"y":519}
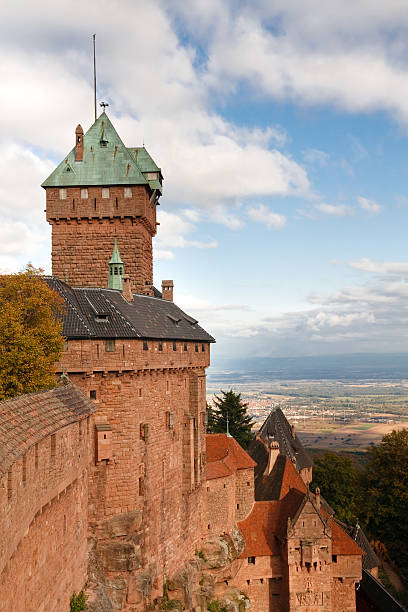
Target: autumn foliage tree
{"x":30,"y":333}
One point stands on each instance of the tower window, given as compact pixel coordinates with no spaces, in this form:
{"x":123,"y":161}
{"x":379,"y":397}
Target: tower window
{"x":160,"y":345}
{"x":196,"y":348}
{"x":92,"y":394}
{"x":203,"y":348}
{"x":145,"y":345}
{"x":116,"y":270}
{"x":174,"y":346}
{"x":128,"y":192}
{"x":110,"y":345}
{"x":105,"y":192}
{"x":62,"y":194}
{"x":251,"y":560}
{"x":84,"y":193}
{"x":185,"y":346}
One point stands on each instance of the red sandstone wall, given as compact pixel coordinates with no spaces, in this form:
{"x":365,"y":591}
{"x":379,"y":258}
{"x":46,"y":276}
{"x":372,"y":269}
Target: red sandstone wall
{"x":262,"y":582}
{"x":134,"y":389}
{"x":83,"y":235}
{"x":220,"y":505}
{"x":43,"y":526}
{"x":244,"y":496}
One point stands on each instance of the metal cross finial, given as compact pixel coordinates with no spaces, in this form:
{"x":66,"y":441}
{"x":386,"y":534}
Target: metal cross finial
{"x":104,"y":105}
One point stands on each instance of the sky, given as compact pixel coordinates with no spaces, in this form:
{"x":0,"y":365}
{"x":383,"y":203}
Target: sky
{"x":281,"y":128}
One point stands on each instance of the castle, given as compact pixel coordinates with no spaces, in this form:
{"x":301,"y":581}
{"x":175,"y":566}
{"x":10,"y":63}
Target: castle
{"x":110,"y":479}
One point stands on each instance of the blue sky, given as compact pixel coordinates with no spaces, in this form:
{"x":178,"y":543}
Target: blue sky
{"x":281,"y":130}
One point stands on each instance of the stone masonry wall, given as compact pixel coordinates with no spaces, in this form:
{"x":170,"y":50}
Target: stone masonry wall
{"x":83,"y":234}
{"x":152,"y":403}
{"x":43,"y":522}
{"x":220,"y":505}
{"x":245,"y":494}
{"x":262,"y":582}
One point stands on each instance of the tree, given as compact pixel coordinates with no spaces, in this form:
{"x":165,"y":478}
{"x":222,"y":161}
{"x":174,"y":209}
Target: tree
{"x":231,"y":407}
{"x":30,"y":333}
{"x":386,"y":495}
{"x":337,"y":479}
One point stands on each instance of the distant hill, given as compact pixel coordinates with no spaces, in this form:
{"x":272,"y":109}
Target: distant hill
{"x":355,"y":366}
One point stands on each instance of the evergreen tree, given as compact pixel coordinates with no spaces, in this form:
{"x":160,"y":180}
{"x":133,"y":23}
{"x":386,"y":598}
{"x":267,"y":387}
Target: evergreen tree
{"x":231,"y":407}
{"x":30,"y":333}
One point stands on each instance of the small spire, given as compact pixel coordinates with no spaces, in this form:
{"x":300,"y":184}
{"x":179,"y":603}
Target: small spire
{"x":116,"y":269}
{"x":228,"y":433}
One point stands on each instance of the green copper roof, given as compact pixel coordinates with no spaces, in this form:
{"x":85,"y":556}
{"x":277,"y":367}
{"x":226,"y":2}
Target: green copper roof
{"x":115,"y":259}
{"x":106,"y":161}
{"x":143,"y":159}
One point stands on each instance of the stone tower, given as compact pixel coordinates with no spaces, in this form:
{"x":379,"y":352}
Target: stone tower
{"x":100,"y":191}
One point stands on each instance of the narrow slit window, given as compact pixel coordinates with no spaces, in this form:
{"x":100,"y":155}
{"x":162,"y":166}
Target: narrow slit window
{"x":160,"y":345}
{"x":174,"y":346}
{"x":145,"y":345}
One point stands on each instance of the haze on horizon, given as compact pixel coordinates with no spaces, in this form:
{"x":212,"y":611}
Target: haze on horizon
{"x":281,"y":129}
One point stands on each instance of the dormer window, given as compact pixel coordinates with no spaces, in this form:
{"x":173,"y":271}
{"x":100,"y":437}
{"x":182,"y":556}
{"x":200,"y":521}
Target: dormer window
{"x":128,"y":192}
{"x":105,"y":193}
{"x":62,"y":194}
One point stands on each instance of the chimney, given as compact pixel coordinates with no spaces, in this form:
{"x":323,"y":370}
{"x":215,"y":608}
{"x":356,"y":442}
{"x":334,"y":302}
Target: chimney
{"x":167,"y":290}
{"x":318,"y":498}
{"x":127,"y":288}
{"x":79,"y":144}
{"x":293,"y":431}
{"x":273,"y":455}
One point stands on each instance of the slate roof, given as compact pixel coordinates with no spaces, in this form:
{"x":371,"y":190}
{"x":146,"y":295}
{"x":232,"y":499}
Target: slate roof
{"x":277,"y":427}
{"x":104,"y":313}
{"x":28,"y":419}
{"x":370,"y":559}
{"x":109,"y":163}
{"x":372,"y":591}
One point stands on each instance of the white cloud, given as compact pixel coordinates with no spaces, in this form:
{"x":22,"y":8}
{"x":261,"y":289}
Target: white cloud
{"x":262,"y":214}
{"x":315,"y":156}
{"x":172,"y":233}
{"x":368,"y":205}
{"x":382,"y":268}
{"x":340,"y":210}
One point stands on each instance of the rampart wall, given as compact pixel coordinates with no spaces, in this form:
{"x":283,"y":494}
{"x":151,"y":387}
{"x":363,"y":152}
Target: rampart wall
{"x":43,"y":522}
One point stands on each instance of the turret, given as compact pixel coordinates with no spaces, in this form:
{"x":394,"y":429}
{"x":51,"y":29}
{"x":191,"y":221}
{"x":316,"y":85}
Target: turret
{"x":79,"y":144}
{"x":116,"y":269}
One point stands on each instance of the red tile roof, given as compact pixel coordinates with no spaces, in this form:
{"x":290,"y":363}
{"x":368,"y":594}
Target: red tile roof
{"x":217,"y":469}
{"x":291,"y":479}
{"x":27,"y":419}
{"x":222,"y":447}
{"x":342,"y":543}
{"x":259,"y":530}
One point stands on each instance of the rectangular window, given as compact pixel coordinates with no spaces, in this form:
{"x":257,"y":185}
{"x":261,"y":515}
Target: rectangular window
{"x":174,"y":346}
{"x":251,"y":560}
{"x":141,"y":485}
{"x":128,"y":192}
{"x":185,"y":346}
{"x":144,"y":431}
{"x":84,"y":193}
{"x":65,"y":345}
{"x":92,"y":394}
{"x":62,"y":194}
{"x":196,"y":348}
{"x":105,"y":193}
{"x":110,"y":345}
{"x":160,"y":345}
{"x":169,"y":420}
{"x":9,"y":484}
{"x":334,"y":558}
{"x":145,"y":345}
{"x":53,"y":448}
{"x":203,"y":348}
